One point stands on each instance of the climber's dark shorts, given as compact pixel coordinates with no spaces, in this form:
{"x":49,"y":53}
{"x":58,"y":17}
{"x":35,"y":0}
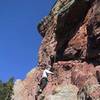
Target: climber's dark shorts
{"x":43,"y":83}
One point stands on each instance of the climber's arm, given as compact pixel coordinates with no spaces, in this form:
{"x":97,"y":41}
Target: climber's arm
{"x":49,"y":72}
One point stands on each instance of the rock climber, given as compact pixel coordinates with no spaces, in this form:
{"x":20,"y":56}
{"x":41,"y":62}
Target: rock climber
{"x":44,"y":80}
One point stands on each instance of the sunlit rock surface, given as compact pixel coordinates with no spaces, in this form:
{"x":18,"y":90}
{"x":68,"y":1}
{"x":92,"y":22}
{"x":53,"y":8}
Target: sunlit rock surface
{"x":71,"y":31}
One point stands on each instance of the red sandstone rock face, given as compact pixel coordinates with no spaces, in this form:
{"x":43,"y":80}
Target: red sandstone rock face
{"x":72,"y":33}
{"x":82,"y":75}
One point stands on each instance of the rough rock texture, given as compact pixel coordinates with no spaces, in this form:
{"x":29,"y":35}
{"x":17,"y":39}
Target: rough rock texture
{"x":67,"y":92}
{"x":71,"y":32}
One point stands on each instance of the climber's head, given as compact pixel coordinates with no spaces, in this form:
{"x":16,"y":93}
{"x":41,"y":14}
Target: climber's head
{"x":48,"y":68}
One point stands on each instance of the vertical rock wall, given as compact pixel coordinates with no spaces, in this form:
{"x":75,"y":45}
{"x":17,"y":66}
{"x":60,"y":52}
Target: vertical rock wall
{"x":71,"y":32}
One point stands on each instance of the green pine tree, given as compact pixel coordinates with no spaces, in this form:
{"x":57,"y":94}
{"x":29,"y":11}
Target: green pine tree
{"x":6,"y":89}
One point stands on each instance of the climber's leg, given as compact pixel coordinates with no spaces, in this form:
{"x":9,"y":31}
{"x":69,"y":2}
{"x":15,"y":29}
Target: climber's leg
{"x":36,"y":97}
{"x":43,"y":83}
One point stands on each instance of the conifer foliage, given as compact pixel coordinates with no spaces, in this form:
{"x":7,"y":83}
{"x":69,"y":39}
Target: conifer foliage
{"x":6,"y":89}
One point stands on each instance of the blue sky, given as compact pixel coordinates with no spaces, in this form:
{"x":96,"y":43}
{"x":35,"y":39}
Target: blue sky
{"x":19,"y":38}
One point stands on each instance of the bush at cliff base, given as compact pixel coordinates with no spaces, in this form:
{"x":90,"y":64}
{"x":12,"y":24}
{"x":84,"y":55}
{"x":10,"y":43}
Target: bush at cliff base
{"x":6,"y":89}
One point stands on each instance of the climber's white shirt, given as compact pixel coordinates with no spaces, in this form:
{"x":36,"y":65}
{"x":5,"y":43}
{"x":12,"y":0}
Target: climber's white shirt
{"x":46,"y":72}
